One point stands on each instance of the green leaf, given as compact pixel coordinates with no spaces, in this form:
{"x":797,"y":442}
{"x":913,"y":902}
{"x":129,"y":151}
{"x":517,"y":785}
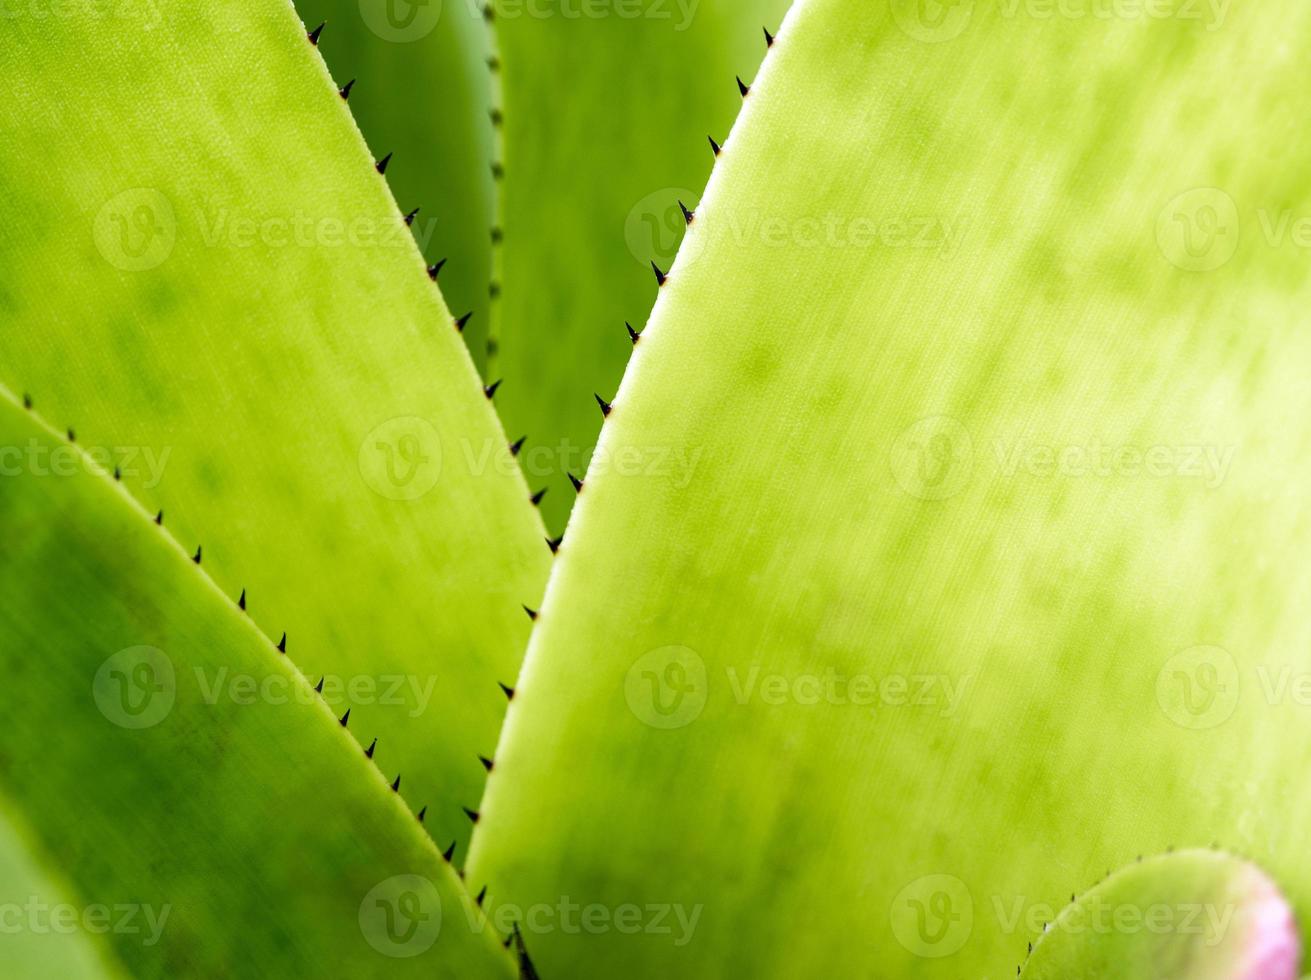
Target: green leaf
{"x":1193,"y":915}
{"x":606,"y":119}
{"x":950,"y":541}
{"x":242,"y":837}
{"x":424,"y":96}
{"x":209,"y":284}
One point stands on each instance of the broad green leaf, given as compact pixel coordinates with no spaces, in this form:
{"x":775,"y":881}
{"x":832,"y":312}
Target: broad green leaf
{"x":208,"y":283}
{"x":33,"y":941}
{"x":246,"y":836}
{"x":1193,"y":915}
{"x":986,"y":360}
{"x":424,"y":94}
{"x":607,"y":109}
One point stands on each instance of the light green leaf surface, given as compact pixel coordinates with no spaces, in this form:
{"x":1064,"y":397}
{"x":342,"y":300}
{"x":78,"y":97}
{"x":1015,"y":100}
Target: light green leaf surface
{"x":607,"y":115}
{"x":423,"y":93}
{"x":1192,"y":915}
{"x":246,"y":837}
{"x":35,"y":940}
{"x":991,"y":571}
{"x":208,"y":282}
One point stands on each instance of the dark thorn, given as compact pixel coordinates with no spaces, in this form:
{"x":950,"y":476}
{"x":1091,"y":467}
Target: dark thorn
{"x":482,"y":894}
{"x":487,"y":763}
{"x":554,"y":543}
{"x":409,"y":218}
{"x":633,"y":335}
{"x":345,"y":719}
{"x":536,"y":498}
{"x":498,"y":236}
{"x":196,"y":556}
{"x":494,"y":63}
{"x":449,"y":852}
{"x":282,"y":644}
{"x":489,"y":13}
{"x":436,"y":270}
{"x":507,"y":691}
{"x":159,"y":518}
{"x":373,"y":746}
{"x":660,"y":276}
{"x":532,"y":613}
{"x":27,"y":401}
{"x":490,"y":390}
{"x":505,"y":943}
{"x":345,"y":91}
{"x":396,"y":786}
{"x":422,"y":813}
{"x":517,"y":445}
{"x":743,"y":87}
{"x":498,"y":173}
{"x":526,"y":969}
{"x":714,"y":146}
{"x":461,"y":323}
{"x":494,"y":290}
{"x":769,"y":38}
{"x":578,"y":484}
{"x":118,"y":475}
{"x":318,"y":688}
{"x":381,"y":165}
{"x":497,"y":117}
{"x":687,"y":215}
{"x":471,"y":814}
{"x":314,"y":34}
{"x":1030,"y":948}
{"x":605,"y":405}
{"x":241,"y":603}
{"x":72,"y":436}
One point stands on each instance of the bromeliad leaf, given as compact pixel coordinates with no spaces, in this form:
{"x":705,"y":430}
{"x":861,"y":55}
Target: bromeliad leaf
{"x":605,"y":124}
{"x":992,"y":554}
{"x":164,"y":832}
{"x":224,"y":302}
